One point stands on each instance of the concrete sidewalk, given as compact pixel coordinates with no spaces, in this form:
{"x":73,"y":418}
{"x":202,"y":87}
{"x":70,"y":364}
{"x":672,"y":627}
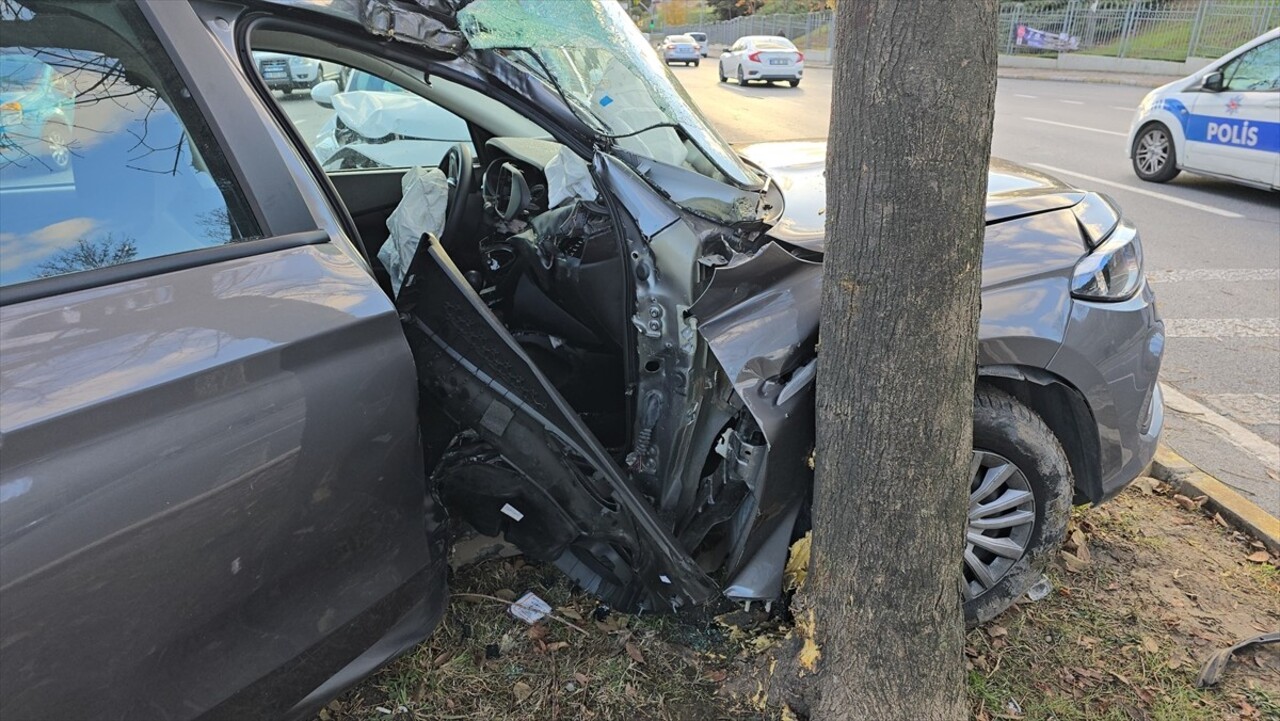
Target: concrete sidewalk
{"x":1085,"y":76}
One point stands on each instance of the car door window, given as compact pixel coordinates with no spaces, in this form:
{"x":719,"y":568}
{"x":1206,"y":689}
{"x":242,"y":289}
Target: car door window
{"x":1257,"y":70}
{"x":353,"y":120}
{"x":104,"y":157}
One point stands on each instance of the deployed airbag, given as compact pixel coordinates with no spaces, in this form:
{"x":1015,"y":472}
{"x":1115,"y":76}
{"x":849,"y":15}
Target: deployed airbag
{"x":568,"y":177}
{"x":423,"y":201}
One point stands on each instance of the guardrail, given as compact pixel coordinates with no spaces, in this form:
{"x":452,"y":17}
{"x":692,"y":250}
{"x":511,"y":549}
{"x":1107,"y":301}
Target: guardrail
{"x":1145,"y":29}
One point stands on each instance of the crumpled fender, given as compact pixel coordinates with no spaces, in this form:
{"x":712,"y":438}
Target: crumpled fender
{"x":759,"y":315}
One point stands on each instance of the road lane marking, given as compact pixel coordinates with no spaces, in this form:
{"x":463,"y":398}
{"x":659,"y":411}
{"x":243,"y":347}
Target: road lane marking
{"x":1222,"y":327}
{"x":1235,"y":434}
{"x":1139,"y":191}
{"x":1071,"y":102}
{"x":1077,"y":127}
{"x":1121,"y":107}
{"x":1220,"y":275}
{"x":1029,"y":97}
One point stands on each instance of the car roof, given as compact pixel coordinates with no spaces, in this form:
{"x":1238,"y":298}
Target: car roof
{"x":769,"y":38}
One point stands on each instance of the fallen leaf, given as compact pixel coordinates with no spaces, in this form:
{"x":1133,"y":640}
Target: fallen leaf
{"x":1146,"y":484}
{"x":581,"y":678}
{"x":1218,"y":519}
{"x":1258,"y":557}
{"x":634,"y":652}
{"x":556,"y":646}
{"x":1073,"y":563}
{"x":522,"y":691}
{"x":997,"y":631}
{"x":1150,"y":645}
{"x":505,"y":594}
{"x":1185,"y":502}
{"x":570,"y":612}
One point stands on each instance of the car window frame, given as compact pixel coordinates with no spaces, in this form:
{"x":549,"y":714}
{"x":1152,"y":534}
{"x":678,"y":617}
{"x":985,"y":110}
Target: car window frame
{"x":256,"y":167}
{"x":306,"y":144}
{"x":1228,"y":68}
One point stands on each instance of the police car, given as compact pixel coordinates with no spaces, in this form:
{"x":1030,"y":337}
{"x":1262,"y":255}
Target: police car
{"x":1223,"y":121}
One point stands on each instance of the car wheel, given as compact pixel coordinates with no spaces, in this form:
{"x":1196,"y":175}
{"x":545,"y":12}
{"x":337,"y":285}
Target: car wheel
{"x":720,"y":70}
{"x":56,"y":137}
{"x":287,"y":91}
{"x":794,"y":83}
{"x":1019,"y":502}
{"x":696,"y":63}
{"x":1154,"y":157}
{"x":742,"y":77}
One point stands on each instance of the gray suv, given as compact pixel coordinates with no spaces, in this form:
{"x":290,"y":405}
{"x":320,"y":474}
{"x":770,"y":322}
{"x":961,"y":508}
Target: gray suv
{"x":238,"y":391}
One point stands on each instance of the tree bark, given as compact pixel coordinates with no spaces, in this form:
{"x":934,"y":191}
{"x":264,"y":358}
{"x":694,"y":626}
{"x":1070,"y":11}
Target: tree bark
{"x":911,"y":121}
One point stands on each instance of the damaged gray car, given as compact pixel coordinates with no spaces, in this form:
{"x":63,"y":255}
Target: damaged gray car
{"x":240,"y":390}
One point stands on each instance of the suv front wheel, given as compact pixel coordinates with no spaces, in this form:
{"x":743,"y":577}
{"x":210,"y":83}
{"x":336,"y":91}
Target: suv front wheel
{"x":1019,"y":503}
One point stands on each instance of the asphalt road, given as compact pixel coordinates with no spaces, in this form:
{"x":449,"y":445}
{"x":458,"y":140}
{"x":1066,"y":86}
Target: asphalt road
{"x":1212,"y":249}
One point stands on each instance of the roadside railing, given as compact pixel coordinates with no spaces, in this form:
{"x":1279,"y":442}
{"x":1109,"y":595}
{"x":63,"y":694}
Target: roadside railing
{"x":1143,"y":29}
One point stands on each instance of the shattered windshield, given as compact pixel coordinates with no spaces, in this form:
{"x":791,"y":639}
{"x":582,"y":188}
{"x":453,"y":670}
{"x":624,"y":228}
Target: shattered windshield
{"x":598,"y":60}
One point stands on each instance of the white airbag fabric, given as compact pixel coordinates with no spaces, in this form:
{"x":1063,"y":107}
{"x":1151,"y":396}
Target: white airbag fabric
{"x":424,"y":198}
{"x":568,"y":177}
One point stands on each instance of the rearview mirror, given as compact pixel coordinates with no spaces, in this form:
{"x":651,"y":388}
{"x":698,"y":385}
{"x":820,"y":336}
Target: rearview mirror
{"x":1212,"y":82}
{"x":323,"y":93}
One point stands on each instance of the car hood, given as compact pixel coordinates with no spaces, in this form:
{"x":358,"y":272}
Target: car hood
{"x":799,"y":170}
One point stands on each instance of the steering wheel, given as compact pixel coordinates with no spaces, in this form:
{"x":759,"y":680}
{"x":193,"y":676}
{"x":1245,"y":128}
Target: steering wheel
{"x":458,"y":166}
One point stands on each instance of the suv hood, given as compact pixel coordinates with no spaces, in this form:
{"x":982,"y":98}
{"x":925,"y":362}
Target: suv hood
{"x":799,"y":170}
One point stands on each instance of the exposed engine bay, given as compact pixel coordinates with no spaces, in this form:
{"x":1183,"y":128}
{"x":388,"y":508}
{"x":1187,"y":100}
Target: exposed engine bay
{"x":609,"y":417}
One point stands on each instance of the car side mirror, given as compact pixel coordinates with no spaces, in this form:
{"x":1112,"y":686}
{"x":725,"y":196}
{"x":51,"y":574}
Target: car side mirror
{"x":725,"y":53}
{"x":1212,"y":82}
{"x":323,"y":93}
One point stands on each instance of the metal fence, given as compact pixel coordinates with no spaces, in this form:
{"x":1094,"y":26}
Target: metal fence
{"x":1146,"y":29}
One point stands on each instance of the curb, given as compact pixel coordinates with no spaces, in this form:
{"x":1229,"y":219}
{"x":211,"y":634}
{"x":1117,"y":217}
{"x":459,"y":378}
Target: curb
{"x":1137,"y":82}
{"x":1239,"y":511}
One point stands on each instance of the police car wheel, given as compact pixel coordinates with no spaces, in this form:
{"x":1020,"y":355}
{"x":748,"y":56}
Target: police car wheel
{"x":1154,"y":157}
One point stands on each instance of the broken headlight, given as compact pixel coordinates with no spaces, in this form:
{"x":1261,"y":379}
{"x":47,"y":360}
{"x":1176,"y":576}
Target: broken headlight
{"x":1113,"y":270}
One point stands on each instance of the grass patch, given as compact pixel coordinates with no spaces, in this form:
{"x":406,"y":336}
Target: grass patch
{"x":1124,"y":637}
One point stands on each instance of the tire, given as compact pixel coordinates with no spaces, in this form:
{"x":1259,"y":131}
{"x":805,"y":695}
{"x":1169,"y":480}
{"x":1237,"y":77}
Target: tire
{"x":287,"y":91}
{"x":794,"y":83}
{"x":1017,"y":454}
{"x":696,"y":63}
{"x":1155,"y":159}
{"x":720,"y":70}
{"x":742,"y":77}
{"x":56,"y":137}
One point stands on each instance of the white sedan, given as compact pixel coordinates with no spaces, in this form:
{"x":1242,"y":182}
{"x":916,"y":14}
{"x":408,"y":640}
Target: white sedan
{"x":762,"y":57}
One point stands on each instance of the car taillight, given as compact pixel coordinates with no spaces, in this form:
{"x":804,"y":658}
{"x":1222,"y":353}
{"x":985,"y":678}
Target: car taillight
{"x":799,"y":57}
{"x":754,"y":57}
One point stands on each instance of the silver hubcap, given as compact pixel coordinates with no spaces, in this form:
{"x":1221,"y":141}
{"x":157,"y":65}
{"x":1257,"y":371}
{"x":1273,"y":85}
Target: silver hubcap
{"x":1002,"y":515}
{"x":58,"y":149}
{"x":1153,"y":151}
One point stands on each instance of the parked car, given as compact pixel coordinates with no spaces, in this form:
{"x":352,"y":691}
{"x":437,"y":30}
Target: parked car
{"x":703,"y":44}
{"x":762,"y":57}
{"x":37,"y":111}
{"x":377,"y":123}
{"x":230,"y":432}
{"x":680,"y":49}
{"x":1222,"y":121}
{"x":288,"y":73}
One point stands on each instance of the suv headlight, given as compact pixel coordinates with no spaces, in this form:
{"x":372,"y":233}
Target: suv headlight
{"x":1113,"y":271}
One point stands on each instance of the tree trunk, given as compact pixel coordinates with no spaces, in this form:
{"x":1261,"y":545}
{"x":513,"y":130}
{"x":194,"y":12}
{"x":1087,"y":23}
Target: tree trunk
{"x":910,"y":138}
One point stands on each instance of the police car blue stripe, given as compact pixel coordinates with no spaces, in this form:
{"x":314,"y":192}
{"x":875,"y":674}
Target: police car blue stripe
{"x":1248,"y":134}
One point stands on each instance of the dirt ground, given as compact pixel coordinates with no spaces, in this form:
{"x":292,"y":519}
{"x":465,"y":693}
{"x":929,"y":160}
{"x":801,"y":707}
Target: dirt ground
{"x":1147,"y":587}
